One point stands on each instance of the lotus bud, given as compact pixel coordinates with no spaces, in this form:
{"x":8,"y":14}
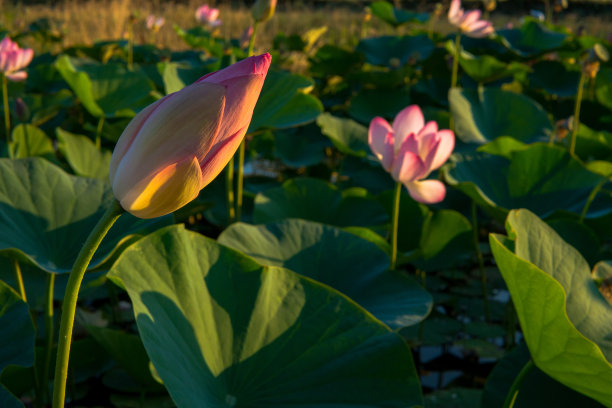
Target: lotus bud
{"x":263,"y":10}
{"x":21,"y":110}
{"x":177,"y":145}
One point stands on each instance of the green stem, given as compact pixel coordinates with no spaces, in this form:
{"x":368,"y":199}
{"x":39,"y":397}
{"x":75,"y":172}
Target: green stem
{"x":130,"y":45}
{"x":49,"y":328}
{"x":548,"y":11}
{"x":455,"y":73}
{"x":577,"y":113}
{"x":594,"y":192}
{"x":252,"y":40}
{"x":240,"y":180}
{"x":229,"y":188}
{"x":456,"y":60}
{"x":7,"y":115}
{"x":483,"y":273}
{"x":242,"y":148}
{"x":71,"y":296}
{"x":516,"y":385}
{"x":394,"y":224}
{"x":99,"y":133}
{"x":19,"y":278}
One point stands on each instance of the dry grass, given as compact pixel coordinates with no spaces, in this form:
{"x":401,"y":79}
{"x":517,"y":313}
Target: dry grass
{"x":88,"y":21}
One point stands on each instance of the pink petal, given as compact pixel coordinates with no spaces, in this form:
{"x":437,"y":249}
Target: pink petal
{"x":407,"y":166}
{"x":377,"y":134}
{"x":388,"y":152}
{"x":219,"y":155}
{"x":409,"y":120}
{"x":430,"y":127}
{"x":455,"y":12}
{"x":445,"y":148}
{"x":427,"y":191}
{"x":257,"y":65}
{"x":17,"y":76}
{"x":470,"y":17}
{"x":480,"y":29}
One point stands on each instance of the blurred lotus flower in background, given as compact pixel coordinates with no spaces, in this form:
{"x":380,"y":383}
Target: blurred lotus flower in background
{"x":263,"y":10}
{"x":155,"y":23}
{"x":469,"y":23}
{"x":13,"y":59}
{"x":245,"y":38}
{"x":21,"y":110}
{"x":208,"y":15}
{"x":179,"y":144}
{"x":410,"y":150}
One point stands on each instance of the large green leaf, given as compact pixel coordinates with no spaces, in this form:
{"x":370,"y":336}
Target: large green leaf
{"x":83,"y":156}
{"x":221,"y":330}
{"x":566,"y":321}
{"x":285,"y":102}
{"x":46,"y":214}
{"x":536,"y":390}
{"x":17,"y":339}
{"x":540,"y":178}
{"x":106,"y":90}
{"x":392,"y":51}
{"x":395,"y":16}
{"x":370,"y":103}
{"x":352,"y":265}
{"x":347,"y":135}
{"x":199,"y":37}
{"x":554,"y":78}
{"x":531,"y":39}
{"x":316,"y":200}
{"x":603,"y":85}
{"x":483,"y":115}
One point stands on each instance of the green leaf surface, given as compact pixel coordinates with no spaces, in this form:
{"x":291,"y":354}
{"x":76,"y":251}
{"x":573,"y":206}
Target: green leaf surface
{"x":395,"y":51}
{"x":370,"y":103}
{"x":566,"y":322}
{"x":222,"y":330}
{"x":316,"y":200}
{"x":353,"y":266}
{"x":482,"y":115}
{"x":554,"y":78}
{"x":17,"y":339}
{"x":199,"y":37}
{"x":347,"y":135}
{"x":106,"y":90}
{"x":537,"y":389}
{"x":47,"y":214}
{"x":285,"y":102}
{"x":540,"y":178}
{"x":83,"y":155}
{"x":30,"y":141}
{"x":603,"y":87}
{"x":531,"y":39}
{"x":395,"y":16}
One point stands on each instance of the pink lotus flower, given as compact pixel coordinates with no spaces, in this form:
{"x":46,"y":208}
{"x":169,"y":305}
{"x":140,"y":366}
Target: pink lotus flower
{"x":208,"y":15}
{"x":155,"y":23}
{"x":13,"y":59}
{"x":469,"y":23}
{"x":179,"y":144}
{"x":410,"y":150}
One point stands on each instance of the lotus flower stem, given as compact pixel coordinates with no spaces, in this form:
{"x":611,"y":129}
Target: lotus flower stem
{"x":577,"y":113}
{"x":394,"y":224}
{"x":242,"y":148}
{"x":483,"y":273}
{"x":71,"y":296}
{"x":252,"y":40}
{"x":456,"y":60}
{"x":229,"y":188}
{"x":99,"y":132}
{"x":130,"y":61}
{"x":592,"y":196}
{"x":49,"y":331}
{"x":548,"y":11}
{"x":7,"y":115}
{"x":19,"y":279}
{"x":516,"y":385}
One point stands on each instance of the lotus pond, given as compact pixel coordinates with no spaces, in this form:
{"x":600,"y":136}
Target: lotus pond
{"x":417,"y":220}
